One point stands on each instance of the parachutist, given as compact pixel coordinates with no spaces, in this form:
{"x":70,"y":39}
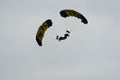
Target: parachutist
{"x":64,"y":37}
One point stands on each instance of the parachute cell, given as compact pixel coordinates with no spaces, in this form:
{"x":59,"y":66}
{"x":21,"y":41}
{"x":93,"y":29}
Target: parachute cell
{"x":41,"y":31}
{"x":67,"y":12}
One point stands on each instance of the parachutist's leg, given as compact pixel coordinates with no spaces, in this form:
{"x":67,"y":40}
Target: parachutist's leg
{"x":57,"y":37}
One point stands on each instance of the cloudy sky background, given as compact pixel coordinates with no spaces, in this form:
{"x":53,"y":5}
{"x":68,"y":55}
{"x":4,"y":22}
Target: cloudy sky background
{"x":92,"y":52}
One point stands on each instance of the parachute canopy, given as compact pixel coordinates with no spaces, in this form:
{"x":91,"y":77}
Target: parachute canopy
{"x":41,"y":31}
{"x":68,"y":12}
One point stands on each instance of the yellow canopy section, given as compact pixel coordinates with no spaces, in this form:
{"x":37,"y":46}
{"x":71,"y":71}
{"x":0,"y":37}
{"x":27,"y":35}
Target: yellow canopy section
{"x":68,"y":12}
{"x":41,"y":31}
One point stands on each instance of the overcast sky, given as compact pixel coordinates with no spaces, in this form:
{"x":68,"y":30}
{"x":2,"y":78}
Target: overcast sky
{"x":92,"y":52}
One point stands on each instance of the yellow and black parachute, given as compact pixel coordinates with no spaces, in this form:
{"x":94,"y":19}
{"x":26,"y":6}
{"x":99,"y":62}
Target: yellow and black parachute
{"x":68,"y":12}
{"x":41,"y":31}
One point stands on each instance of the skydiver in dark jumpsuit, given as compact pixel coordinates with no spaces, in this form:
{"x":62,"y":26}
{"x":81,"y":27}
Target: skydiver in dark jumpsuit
{"x":64,"y":37}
